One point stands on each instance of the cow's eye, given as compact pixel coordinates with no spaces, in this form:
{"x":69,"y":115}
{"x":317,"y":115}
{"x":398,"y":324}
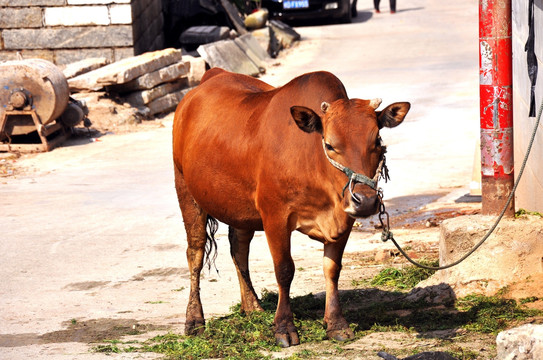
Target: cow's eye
{"x":329,"y":147}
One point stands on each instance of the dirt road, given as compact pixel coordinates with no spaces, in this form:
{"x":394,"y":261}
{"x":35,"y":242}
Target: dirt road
{"x":92,"y":243}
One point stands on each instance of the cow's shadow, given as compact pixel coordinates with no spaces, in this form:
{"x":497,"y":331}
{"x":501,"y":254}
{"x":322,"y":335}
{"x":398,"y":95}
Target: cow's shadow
{"x":429,"y":311}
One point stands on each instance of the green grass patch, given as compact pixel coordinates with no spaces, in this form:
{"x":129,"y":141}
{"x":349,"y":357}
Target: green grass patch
{"x":492,"y":314}
{"x":521,"y":212}
{"x":248,"y":337}
{"x":405,"y":278}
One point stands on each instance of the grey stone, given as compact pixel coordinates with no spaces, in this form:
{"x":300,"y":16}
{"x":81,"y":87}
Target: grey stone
{"x":143,"y":97}
{"x":522,"y":343}
{"x":427,"y":355}
{"x":21,"y":3}
{"x":125,"y":70}
{"x":253,"y":50}
{"x":437,"y":294}
{"x":66,"y":38}
{"x":20,"y":18}
{"x":167,"y":102}
{"x":69,"y":56}
{"x":83,"y":66}
{"x":154,"y":78}
{"x":228,"y":55}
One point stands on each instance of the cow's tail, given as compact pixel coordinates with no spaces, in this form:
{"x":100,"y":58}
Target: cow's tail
{"x":212,"y":225}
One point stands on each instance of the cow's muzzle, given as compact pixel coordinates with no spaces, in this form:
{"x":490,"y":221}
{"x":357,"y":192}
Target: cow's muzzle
{"x":361,"y":205}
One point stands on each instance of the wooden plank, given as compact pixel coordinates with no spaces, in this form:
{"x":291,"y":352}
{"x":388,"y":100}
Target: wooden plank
{"x":125,"y":70}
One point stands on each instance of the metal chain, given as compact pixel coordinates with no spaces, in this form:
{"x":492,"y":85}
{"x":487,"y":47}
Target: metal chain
{"x":387,"y":234}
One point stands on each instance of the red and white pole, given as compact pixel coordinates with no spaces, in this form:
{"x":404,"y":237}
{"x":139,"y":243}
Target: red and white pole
{"x":496,"y":105}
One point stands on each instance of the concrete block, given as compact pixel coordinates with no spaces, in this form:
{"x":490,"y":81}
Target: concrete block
{"x":521,"y":343}
{"x":254,"y":51}
{"x":83,"y":66}
{"x":197,"y":69}
{"x":152,"y":79}
{"x":125,"y":70}
{"x":48,"y":55}
{"x":143,"y":97}
{"x":76,"y":16}
{"x":123,"y":53}
{"x":20,"y":17}
{"x":167,"y":103}
{"x":263,"y":38}
{"x":63,"y":57}
{"x":120,"y":14}
{"x":510,"y":255}
{"x":229,"y":56}
{"x":23,"y":3}
{"x":66,"y":38}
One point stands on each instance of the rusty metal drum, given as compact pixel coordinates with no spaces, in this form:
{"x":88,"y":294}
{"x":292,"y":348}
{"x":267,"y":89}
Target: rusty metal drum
{"x":32,"y":84}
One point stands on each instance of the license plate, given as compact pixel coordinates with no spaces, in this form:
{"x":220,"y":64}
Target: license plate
{"x":295,"y":4}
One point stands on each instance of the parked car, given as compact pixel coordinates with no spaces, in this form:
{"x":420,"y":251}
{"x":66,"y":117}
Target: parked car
{"x":342,"y":10}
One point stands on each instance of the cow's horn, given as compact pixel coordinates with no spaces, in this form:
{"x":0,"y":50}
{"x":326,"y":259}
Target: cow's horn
{"x":374,"y":103}
{"x":324,"y":106}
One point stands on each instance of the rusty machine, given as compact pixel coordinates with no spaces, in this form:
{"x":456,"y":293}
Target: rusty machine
{"x":36,"y":111}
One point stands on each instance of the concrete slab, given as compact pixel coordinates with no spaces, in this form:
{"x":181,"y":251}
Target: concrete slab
{"x":123,"y":71}
{"x":228,"y":55}
{"x":512,"y":254}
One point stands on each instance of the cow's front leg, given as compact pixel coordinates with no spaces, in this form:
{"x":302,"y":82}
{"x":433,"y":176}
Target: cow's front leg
{"x":279,"y":244}
{"x":336,"y":326}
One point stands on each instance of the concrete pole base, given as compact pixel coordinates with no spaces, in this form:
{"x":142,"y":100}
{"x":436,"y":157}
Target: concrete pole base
{"x":513,"y":254}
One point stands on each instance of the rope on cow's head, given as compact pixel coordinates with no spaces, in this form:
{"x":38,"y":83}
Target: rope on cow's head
{"x":356,"y":178}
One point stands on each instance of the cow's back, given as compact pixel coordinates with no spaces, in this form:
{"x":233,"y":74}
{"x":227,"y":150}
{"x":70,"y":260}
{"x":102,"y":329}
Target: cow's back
{"x":234,"y":132}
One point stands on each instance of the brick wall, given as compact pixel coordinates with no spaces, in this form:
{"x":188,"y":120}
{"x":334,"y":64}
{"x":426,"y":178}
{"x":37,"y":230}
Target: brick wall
{"x":64,"y":31}
{"x":529,"y":195}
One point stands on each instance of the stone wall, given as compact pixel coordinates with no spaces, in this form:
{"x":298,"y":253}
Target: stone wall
{"x":529,"y":195}
{"x":64,"y":31}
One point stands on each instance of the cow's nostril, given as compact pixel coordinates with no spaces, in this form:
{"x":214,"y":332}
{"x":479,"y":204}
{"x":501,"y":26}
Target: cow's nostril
{"x":356,"y":198}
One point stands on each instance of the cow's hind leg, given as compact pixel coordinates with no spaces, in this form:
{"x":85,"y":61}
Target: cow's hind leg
{"x":240,"y":241}
{"x":195,"y":225}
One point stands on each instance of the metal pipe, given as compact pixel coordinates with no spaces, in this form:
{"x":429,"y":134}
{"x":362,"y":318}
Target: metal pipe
{"x":496,"y":105}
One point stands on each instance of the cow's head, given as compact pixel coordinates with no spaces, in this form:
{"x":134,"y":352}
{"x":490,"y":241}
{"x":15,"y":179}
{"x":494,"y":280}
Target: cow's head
{"x":350,"y":133}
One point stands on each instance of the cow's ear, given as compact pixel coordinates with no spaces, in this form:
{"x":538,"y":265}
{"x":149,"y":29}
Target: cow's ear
{"x":306,"y":119}
{"x":393,"y":114}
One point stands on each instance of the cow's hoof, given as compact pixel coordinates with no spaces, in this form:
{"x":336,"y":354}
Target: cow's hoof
{"x":286,"y":340}
{"x":195,"y":327}
{"x":340,"y":334}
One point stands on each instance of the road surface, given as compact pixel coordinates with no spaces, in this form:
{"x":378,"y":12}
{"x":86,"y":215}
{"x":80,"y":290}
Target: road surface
{"x":92,"y":240}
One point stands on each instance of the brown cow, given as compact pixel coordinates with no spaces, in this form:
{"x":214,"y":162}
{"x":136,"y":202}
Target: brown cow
{"x":262,"y":158}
